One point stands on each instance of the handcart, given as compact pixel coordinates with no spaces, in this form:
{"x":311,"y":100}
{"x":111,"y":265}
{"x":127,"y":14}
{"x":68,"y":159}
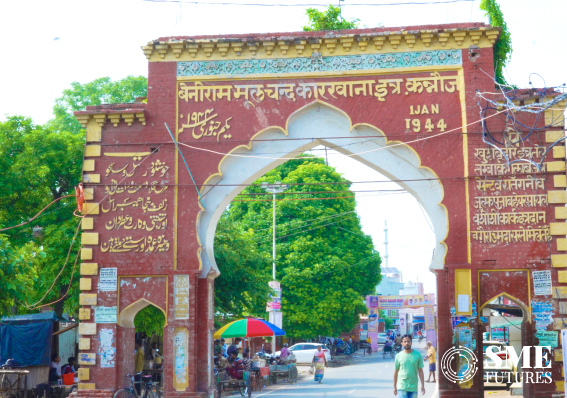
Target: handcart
{"x":226,"y":383}
{"x":285,"y":372}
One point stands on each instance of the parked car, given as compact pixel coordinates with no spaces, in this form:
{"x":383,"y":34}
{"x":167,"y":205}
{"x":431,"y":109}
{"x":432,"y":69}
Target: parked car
{"x":304,"y":352}
{"x":382,"y":337}
{"x":505,"y":368}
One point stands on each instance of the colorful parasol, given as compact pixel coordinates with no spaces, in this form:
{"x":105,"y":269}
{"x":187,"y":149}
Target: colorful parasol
{"x":249,"y":327}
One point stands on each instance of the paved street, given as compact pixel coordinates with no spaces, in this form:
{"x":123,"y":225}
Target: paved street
{"x":370,"y":376}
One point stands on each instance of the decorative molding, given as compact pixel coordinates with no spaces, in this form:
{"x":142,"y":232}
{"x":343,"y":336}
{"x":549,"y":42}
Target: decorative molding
{"x":319,"y":63}
{"x":187,"y":49}
{"x":101,"y":117}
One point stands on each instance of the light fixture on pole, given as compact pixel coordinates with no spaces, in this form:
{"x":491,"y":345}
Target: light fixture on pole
{"x":275,"y":188}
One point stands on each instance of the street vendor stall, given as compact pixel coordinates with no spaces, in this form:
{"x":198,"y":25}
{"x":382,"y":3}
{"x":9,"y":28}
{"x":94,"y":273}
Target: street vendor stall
{"x":247,"y":328}
{"x":29,"y":341}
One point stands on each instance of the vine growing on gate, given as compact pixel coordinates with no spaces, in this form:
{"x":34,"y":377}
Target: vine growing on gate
{"x":503,"y":46}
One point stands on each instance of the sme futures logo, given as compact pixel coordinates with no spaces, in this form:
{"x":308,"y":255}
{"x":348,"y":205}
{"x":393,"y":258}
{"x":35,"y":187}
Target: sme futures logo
{"x":500,"y":365}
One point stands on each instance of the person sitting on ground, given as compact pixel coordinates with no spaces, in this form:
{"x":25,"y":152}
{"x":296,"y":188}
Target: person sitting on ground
{"x":236,"y":367}
{"x":69,"y":367}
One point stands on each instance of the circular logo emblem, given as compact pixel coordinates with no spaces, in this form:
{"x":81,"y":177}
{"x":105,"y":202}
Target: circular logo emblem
{"x":466,"y":364}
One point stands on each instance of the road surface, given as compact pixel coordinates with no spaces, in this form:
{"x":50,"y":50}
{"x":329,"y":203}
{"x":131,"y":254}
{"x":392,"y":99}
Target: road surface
{"x":366,"y":377}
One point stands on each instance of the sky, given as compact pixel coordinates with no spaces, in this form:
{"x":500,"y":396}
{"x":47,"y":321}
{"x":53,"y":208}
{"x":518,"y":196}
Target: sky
{"x":50,"y":44}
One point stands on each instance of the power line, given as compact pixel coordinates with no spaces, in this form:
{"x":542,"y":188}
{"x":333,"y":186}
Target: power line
{"x":306,"y":4}
{"x":304,"y":226}
{"x":319,"y":192}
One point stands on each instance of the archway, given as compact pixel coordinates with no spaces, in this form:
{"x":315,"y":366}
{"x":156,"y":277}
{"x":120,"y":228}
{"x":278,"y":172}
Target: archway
{"x":319,"y":123}
{"x":503,"y":322}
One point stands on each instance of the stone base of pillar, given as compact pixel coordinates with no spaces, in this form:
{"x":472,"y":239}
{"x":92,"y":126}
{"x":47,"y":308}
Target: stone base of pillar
{"x":94,"y":394}
{"x":110,"y":393}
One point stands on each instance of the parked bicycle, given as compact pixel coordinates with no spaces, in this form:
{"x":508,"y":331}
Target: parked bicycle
{"x":149,"y":388}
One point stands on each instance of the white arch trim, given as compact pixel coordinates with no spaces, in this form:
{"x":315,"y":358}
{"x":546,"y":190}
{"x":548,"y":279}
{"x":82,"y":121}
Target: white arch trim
{"x":320,"y":121}
{"x":126,"y":317}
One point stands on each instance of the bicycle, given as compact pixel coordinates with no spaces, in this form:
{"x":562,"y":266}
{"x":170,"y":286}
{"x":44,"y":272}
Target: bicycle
{"x":149,"y":388}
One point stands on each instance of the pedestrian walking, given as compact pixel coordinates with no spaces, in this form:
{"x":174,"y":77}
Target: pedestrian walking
{"x":320,"y":362}
{"x":431,"y":357}
{"x":408,"y":366}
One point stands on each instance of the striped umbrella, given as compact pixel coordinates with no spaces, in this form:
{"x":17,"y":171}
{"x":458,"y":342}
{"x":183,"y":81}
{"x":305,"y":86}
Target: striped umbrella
{"x":249,"y":327}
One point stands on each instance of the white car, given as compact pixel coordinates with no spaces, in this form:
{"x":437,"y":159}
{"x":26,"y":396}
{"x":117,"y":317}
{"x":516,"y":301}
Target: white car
{"x":304,"y":352}
{"x":382,"y":337}
{"x":505,"y":370}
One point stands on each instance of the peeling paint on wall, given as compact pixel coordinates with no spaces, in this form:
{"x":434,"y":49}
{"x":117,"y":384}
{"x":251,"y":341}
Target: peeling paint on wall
{"x":106,"y":351}
{"x":181,"y":360}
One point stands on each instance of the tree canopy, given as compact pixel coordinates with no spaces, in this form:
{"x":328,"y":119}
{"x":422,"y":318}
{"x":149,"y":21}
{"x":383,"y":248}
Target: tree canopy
{"x":325,"y":263}
{"x":41,"y":164}
{"x":330,"y":19}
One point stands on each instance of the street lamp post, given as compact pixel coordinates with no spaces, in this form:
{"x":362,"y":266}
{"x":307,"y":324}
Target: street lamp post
{"x":275,"y":188}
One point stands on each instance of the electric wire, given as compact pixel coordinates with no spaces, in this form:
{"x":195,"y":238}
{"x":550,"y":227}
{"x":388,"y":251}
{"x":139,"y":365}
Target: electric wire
{"x":34,"y":306}
{"x":37,"y":215}
{"x":298,"y":227}
{"x":320,"y":226}
{"x":347,"y":155}
{"x":306,"y":4}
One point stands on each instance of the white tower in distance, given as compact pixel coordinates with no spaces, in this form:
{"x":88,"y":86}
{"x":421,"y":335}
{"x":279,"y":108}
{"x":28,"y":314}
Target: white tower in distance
{"x":386,"y":242}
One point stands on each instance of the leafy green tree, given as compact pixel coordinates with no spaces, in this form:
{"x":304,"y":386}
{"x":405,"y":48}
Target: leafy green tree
{"x":330,"y":19}
{"x":41,"y":164}
{"x":242,"y":287}
{"x":503,"y":46}
{"x":97,"y":92}
{"x":150,"y":320}
{"x":18,"y":271}
{"x":325,"y":263}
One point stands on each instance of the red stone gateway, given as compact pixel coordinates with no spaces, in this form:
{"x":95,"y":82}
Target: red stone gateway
{"x":413,"y":103}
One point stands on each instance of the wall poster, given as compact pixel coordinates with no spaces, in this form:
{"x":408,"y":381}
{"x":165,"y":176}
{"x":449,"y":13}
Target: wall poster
{"x":181,"y":296}
{"x":181,"y":360}
{"x":108,"y":280}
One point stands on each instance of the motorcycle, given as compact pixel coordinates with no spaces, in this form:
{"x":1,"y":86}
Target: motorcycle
{"x":344,"y":348}
{"x":388,"y":350}
{"x":397,"y":348}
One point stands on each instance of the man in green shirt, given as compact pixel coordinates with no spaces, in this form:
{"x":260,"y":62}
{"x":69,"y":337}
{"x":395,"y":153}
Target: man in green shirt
{"x":408,"y":365}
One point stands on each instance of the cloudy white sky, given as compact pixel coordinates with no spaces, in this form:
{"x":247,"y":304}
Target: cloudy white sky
{"x":49,"y":44}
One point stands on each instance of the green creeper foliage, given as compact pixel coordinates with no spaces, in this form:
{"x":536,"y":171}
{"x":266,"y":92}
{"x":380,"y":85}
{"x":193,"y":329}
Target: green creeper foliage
{"x":97,"y":92}
{"x":503,"y":47}
{"x":330,"y":19}
{"x":150,"y":320}
{"x":325,"y":270}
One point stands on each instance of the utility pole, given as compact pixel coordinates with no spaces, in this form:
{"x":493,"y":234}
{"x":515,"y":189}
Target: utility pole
{"x":386,"y":243}
{"x":274,"y":189}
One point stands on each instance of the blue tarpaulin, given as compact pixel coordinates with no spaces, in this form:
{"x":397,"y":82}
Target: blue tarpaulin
{"x":27,"y":339}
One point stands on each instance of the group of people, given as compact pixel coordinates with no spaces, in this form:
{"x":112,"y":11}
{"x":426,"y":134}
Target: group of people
{"x":56,"y":371}
{"x":235,"y":361}
{"x":232,"y":359}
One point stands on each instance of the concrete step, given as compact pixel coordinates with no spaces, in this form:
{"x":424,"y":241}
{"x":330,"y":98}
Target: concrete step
{"x":517,"y":390}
